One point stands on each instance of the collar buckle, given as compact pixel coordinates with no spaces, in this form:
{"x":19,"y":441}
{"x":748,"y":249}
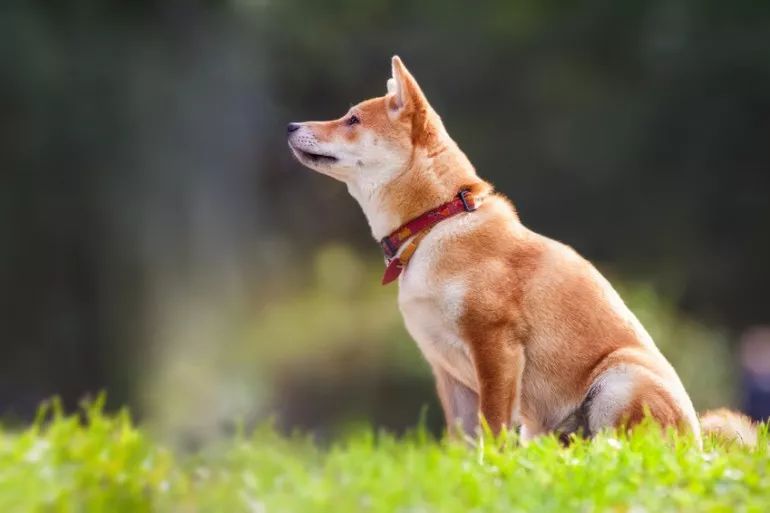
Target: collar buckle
{"x":388,"y":248}
{"x":469,"y":204}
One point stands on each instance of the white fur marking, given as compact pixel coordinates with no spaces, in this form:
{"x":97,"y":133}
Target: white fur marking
{"x":391,"y":85}
{"x":615,"y":388}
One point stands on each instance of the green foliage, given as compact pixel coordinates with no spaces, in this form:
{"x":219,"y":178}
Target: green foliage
{"x":99,"y":463}
{"x":69,"y":464}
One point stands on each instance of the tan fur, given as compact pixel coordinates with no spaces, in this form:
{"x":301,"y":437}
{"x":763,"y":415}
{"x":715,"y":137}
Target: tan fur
{"x":516,"y":326}
{"x":729,"y":426}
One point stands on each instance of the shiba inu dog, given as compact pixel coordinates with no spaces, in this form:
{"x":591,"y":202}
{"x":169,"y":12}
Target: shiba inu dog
{"x":517,"y":328}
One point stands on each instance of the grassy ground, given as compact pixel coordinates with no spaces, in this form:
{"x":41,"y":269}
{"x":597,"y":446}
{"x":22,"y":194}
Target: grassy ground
{"x":105,"y":464}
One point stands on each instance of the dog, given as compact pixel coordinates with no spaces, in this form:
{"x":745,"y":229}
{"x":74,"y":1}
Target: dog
{"x":518,"y":329}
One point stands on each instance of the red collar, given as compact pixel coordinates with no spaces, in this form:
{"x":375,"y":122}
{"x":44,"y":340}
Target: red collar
{"x":463,"y":202}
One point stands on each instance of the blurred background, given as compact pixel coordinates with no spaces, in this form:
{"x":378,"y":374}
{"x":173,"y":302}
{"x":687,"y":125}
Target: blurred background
{"x":157,"y":240}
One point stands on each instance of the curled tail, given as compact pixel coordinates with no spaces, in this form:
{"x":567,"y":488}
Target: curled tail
{"x":729,"y":426}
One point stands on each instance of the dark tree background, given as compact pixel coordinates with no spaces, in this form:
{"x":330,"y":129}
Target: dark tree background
{"x":142,"y":152}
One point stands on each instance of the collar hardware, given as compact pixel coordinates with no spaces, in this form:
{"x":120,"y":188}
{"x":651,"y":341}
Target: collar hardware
{"x":469,"y":204}
{"x":388,"y":248}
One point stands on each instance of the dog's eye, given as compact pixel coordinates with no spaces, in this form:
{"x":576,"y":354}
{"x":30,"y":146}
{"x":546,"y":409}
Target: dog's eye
{"x":352,"y":120}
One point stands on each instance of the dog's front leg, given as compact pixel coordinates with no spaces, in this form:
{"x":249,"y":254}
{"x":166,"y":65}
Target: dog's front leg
{"x":460,"y":403}
{"x":499,"y":366}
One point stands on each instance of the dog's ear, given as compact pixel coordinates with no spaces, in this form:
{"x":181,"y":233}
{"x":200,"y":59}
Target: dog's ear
{"x":405,"y":91}
{"x":391,"y":86}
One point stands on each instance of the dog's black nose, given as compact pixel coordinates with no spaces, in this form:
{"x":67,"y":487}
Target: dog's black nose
{"x":292,"y":127}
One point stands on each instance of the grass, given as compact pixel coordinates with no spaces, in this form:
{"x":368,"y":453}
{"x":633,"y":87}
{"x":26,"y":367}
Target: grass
{"x":99,"y":463}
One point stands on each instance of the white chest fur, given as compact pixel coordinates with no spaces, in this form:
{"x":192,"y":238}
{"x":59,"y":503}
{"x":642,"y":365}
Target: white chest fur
{"x":432,"y":306}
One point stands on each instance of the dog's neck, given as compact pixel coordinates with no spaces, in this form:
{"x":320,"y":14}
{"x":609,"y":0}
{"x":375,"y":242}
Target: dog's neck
{"x":433,"y":176}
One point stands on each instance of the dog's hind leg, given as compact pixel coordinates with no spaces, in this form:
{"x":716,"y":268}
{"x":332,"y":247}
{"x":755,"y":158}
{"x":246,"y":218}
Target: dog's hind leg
{"x":624,"y":395}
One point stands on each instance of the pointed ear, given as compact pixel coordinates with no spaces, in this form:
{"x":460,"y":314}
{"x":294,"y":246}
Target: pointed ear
{"x":404,"y":88}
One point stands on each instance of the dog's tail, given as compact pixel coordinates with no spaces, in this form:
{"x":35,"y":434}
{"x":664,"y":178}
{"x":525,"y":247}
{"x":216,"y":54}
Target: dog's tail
{"x":729,"y":426}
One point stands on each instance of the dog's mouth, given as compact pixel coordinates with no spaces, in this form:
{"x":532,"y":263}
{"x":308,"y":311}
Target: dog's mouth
{"x":315,"y":158}
{"x":318,"y":157}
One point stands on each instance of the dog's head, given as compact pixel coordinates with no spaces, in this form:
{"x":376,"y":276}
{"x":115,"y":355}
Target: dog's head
{"x":374,"y":140}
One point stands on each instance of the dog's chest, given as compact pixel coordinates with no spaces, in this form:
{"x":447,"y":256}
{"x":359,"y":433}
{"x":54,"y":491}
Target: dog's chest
{"x":432,"y":309}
